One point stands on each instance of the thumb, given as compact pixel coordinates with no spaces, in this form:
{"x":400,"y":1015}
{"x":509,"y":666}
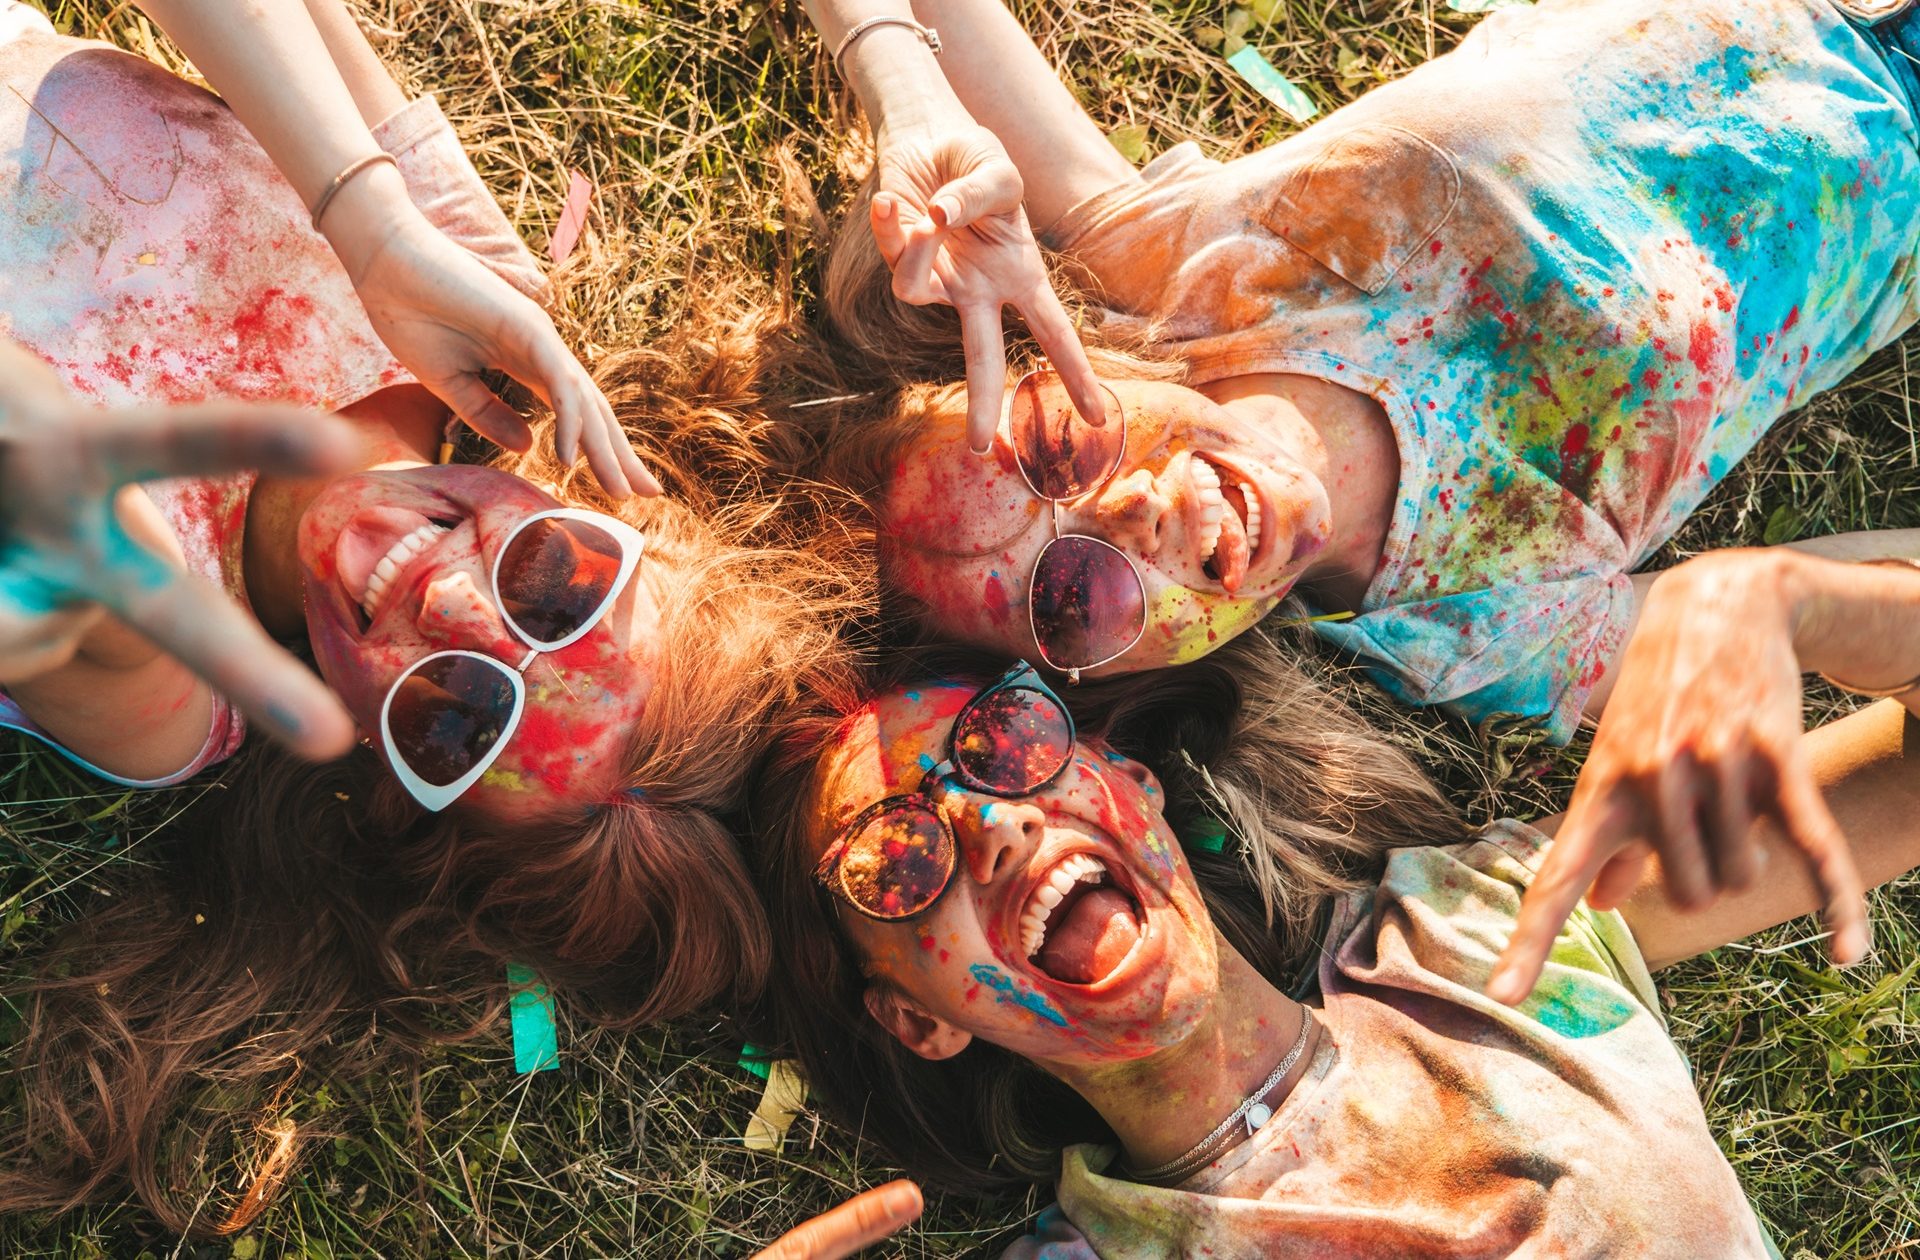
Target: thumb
{"x":989,"y":190}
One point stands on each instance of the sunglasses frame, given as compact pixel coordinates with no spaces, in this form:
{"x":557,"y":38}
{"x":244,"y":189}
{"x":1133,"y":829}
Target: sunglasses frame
{"x":1033,"y":628}
{"x":828,"y":870}
{"x":436,"y":797}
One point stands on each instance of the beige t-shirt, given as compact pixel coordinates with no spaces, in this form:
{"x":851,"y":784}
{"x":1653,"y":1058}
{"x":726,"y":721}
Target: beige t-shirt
{"x":1437,"y":1122}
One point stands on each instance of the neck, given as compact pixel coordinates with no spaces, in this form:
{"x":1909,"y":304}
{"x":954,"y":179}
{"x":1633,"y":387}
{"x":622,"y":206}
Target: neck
{"x":401,"y":427}
{"x":1160,"y":1106}
{"x":1346,"y":440}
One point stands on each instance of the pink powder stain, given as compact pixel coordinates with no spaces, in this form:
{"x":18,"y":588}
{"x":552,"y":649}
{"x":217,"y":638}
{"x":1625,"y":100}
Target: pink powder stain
{"x":1704,"y":347}
{"x":995,"y":595}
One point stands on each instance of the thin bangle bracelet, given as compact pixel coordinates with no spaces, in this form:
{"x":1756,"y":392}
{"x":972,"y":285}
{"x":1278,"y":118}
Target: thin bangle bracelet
{"x":344,"y":177}
{"x":1880,"y":693}
{"x":927,"y":34}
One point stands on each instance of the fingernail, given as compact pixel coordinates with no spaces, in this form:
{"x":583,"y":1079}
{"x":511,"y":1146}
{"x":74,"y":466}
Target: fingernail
{"x":945,"y":210}
{"x":981,"y":451}
{"x":903,"y":1199}
{"x":286,"y":719}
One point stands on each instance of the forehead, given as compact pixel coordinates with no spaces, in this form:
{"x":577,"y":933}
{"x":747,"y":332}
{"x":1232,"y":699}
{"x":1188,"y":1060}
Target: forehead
{"x":887,"y":747}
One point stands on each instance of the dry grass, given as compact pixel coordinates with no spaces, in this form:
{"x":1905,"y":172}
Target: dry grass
{"x":675,"y":109}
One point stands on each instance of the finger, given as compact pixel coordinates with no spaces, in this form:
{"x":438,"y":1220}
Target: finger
{"x":991,"y":189}
{"x":1730,"y":840}
{"x":914,"y":281}
{"x":986,"y":346}
{"x":1055,"y":332}
{"x":638,"y":475}
{"x":46,"y":644}
{"x":481,"y":410}
{"x":131,"y":444}
{"x":889,"y":232}
{"x":1812,"y":827}
{"x":1683,"y":854}
{"x":212,"y":636}
{"x":602,"y":455}
{"x":859,"y":1222}
{"x":1618,"y":877}
{"x":1569,"y":868}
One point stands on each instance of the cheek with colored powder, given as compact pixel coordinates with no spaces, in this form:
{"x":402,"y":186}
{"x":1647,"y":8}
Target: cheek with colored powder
{"x":1184,"y":625}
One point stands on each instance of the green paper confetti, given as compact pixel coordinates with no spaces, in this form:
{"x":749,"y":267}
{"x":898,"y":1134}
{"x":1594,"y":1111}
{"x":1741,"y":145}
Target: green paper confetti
{"x":1270,"y":83}
{"x":1484,"y":6}
{"x":536,"y":1038}
{"x":1209,"y":834}
{"x":755,"y":1060}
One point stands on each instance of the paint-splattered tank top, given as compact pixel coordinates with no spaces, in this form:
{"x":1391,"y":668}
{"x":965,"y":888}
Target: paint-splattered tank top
{"x":151,"y":252}
{"x":1435,"y":1122}
{"x":1584,"y":261}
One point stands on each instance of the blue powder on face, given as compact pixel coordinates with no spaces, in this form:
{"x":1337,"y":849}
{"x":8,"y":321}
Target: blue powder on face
{"x":1009,"y":994}
{"x":927,"y":762}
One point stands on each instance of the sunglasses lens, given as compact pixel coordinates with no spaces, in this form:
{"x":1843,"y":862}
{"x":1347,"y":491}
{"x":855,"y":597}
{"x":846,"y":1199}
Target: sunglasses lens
{"x":1061,"y":455}
{"x":898,"y":862}
{"x":446,"y":714}
{"x":1012,"y":741}
{"x":556,"y":575}
{"x":1087,"y":602}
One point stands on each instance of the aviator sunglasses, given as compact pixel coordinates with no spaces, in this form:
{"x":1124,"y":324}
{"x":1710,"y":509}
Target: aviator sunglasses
{"x":898,"y":855}
{"x":451,"y":714}
{"x":1086,"y":601}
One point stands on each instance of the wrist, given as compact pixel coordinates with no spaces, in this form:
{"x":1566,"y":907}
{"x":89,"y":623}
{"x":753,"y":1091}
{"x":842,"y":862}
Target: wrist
{"x":365,"y":214}
{"x":900,"y":84}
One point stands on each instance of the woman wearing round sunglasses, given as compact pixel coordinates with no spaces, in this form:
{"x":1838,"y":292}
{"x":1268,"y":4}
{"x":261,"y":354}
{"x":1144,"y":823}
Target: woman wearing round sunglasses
{"x":557,"y":691}
{"x":1451,"y":363}
{"x":1213,"y":958}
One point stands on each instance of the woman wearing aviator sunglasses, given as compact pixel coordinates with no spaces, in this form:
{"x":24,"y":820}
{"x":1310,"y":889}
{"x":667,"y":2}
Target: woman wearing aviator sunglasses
{"x":998,"y":958}
{"x":557,"y":692}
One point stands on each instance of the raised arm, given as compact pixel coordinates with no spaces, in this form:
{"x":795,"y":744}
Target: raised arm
{"x":947,"y":213}
{"x":1005,"y":82}
{"x":1702,"y":744}
{"x":442,"y":313}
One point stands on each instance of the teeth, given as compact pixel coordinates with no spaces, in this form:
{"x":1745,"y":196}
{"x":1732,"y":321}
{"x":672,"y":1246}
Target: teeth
{"x":395,"y":560}
{"x":1081,"y":868}
{"x":1253,"y":514}
{"x":1213,"y":506}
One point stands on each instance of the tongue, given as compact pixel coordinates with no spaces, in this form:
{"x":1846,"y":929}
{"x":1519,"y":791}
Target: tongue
{"x":1089,"y":936}
{"x":1230,"y":555}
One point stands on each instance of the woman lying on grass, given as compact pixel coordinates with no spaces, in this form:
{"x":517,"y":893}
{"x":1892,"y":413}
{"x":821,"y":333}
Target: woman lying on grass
{"x":1458,"y":358}
{"x":557,"y":691}
{"x":1007,"y":952}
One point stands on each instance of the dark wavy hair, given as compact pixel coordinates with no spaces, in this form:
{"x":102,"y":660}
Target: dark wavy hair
{"x":1312,"y":799}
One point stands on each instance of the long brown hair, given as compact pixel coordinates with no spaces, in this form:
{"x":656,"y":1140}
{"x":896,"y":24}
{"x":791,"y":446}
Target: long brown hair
{"x":312,"y":919}
{"x":1312,"y":799}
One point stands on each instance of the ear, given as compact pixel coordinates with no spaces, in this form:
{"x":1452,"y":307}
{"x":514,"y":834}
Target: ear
{"x":1136,"y":771}
{"x":926,"y":1035}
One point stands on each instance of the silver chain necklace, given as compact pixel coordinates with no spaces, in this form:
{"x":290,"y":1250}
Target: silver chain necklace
{"x":1253,"y":1112}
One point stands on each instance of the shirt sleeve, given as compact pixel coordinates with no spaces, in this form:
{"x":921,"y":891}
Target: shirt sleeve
{"x":1053,"y":1237}
{"x":442,"y":182}
{"x":1529,"y":651}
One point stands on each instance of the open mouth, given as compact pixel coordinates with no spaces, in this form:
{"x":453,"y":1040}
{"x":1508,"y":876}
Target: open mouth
{"x":376,"y":549}
{"x":1079,"y":926}
{"x":1229,"y":523}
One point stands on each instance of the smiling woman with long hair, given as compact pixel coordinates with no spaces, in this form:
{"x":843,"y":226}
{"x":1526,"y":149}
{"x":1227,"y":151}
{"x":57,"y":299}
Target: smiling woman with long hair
{"x":558,"y":692}
{"x":1211,"y":956}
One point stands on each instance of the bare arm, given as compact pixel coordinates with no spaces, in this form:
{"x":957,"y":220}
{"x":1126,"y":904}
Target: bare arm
{"x":1868,"y":766}
{"x":1007,"y":84}
{"x":1865,"y":544}
{"x":1702,"y":745}
{"x":374,"y":92}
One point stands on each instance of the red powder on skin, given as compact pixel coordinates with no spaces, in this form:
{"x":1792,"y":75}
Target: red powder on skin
{"x":927,"y":944}
{"x":995,"y":595}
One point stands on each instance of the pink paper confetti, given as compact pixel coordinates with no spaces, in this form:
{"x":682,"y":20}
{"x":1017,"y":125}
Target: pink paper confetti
{"x":573,"y":218}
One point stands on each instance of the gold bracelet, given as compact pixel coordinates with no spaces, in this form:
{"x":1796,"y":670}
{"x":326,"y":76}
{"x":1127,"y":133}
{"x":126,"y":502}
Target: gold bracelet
{"x":340,"y":181}
{"x":1880,"y":693}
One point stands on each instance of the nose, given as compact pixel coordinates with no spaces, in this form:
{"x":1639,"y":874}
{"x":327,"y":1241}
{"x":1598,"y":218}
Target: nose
{"x":456,"y":613}
{"x":1132,"y":510}
{"x":995,"y":836}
